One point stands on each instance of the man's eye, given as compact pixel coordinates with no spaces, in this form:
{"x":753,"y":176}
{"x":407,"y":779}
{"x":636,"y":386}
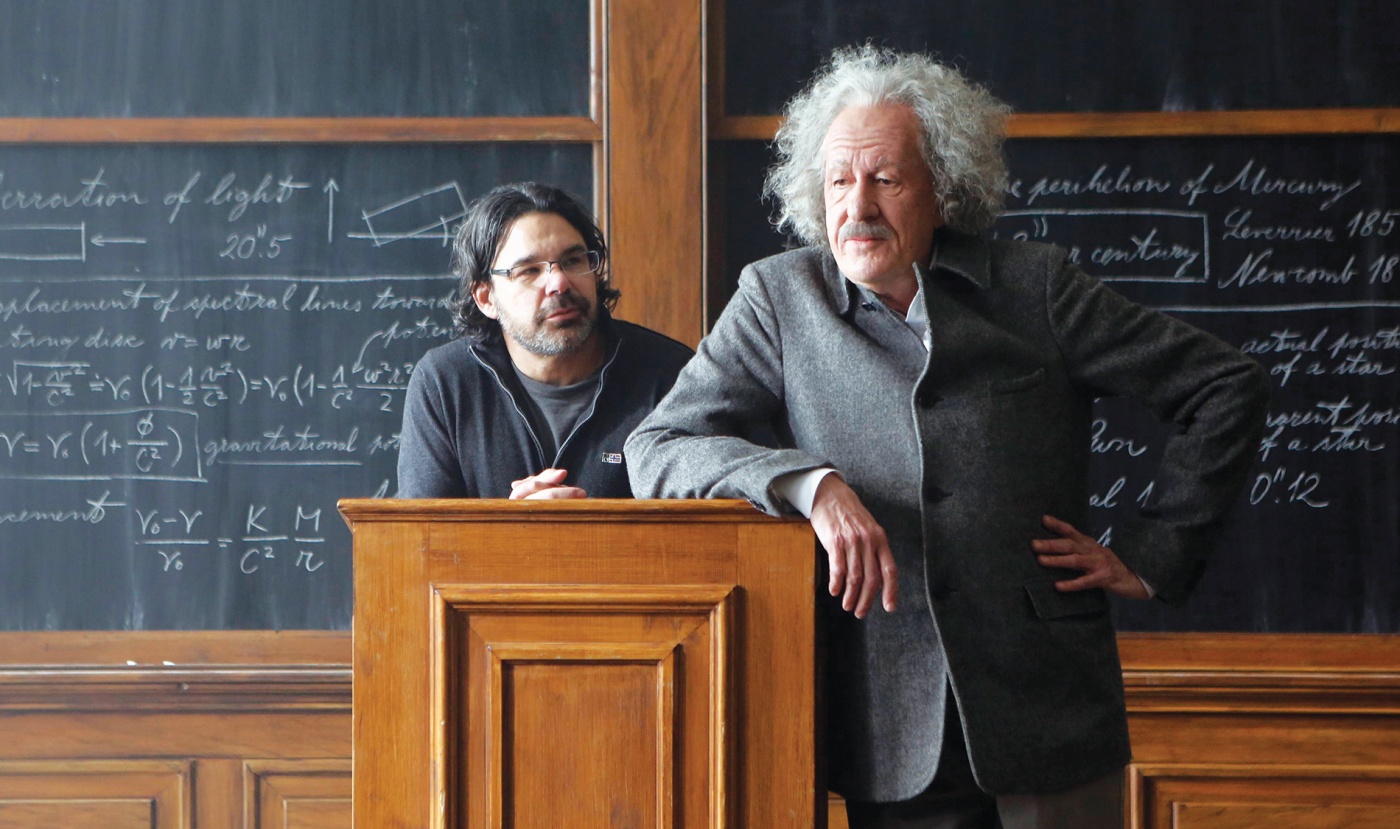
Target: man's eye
{"x":527,"y":271}
{"x":574,"y":262}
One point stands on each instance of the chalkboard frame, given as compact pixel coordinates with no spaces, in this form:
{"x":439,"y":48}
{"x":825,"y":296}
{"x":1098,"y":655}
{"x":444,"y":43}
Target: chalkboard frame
{"x":296,"y":130}
{"x":1138,"y":124}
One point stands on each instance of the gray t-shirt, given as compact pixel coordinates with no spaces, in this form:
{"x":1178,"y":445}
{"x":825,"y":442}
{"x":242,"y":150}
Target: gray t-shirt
{"x":554,"y":411}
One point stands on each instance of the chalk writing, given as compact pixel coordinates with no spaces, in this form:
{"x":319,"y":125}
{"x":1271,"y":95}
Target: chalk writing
{"x":92,"y":511}
{"x":204,"y":347}
{"x":92,"y":192}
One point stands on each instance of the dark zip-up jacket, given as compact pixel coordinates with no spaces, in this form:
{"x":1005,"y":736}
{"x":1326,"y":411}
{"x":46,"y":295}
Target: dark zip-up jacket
{"x":465,"y":433}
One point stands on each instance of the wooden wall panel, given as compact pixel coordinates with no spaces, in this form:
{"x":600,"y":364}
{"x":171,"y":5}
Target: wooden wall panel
{"x":1229,"y":731}
{"x":1252,"y":730}
{"x":96,"y":794}
{"x":292,"y":794}
{"x":1265,"y":795}
{"x":160,"y":730}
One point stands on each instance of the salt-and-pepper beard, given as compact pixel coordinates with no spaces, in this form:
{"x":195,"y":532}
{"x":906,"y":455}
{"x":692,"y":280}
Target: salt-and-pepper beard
{"x":539,"y":339}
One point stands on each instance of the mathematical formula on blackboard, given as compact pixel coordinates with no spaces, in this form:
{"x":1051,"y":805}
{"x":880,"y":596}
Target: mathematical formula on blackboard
{"x":201,"y":350}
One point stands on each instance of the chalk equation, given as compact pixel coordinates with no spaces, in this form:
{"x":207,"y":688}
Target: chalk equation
{"x":291,"y":536}
{"x":154,"y":444}
{"x":57,"y":384}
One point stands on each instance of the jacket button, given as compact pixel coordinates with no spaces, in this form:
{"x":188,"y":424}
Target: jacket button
{"x":927,"y":399}
{"x":934,"y":494}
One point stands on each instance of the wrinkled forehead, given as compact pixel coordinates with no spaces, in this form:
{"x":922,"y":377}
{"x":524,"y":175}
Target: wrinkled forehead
{"x":879,"y":136}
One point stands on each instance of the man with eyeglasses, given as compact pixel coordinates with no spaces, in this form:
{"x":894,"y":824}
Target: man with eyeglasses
{"x":537,"y":395}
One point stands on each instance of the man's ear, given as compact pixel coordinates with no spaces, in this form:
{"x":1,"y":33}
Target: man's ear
{"x":481,"y":294}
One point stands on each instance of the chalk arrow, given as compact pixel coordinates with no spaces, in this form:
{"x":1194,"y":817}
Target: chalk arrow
{"x":98,"y":240}
{"x":329,"y":190}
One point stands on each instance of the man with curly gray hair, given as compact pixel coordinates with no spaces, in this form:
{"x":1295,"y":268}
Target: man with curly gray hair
{"x":928,"y":394}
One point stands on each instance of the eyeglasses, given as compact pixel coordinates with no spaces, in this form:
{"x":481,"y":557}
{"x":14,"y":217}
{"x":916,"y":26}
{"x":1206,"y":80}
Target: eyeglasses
{"x":577,"y":263}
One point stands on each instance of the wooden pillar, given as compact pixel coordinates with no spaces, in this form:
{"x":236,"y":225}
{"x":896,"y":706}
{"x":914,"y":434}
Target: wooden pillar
{"x":653,"y":121}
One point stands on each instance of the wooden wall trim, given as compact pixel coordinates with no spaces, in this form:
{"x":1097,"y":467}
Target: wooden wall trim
{"x":69,"y":670}
{"x":80,"y":671}
{"x":209,"y":688}
{"x":184,"y":648}
{"x":1276,"y":652}
{"x":295,"y":130}
{"x":1139,"y":124}
{"x":1280,"y":673}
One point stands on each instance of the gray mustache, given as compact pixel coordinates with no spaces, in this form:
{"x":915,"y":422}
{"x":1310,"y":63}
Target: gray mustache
{"x":864,"y":229}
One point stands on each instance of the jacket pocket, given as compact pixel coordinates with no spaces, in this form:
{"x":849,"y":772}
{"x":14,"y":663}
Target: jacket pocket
{"x":1050,"y":603}
{"x":1011,"y":385}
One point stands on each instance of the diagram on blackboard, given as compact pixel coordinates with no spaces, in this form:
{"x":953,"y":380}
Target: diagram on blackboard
{"x":55,"y":243}
{"x":428,"y":215}
{"x":42,"y":243}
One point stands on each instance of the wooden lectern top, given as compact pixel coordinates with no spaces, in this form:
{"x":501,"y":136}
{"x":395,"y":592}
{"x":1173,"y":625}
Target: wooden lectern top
{"x":581,"y":509}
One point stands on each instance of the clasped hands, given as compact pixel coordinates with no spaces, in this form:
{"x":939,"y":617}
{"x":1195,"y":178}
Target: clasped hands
{"x":862,"y":567}
{"x":548,"y":483}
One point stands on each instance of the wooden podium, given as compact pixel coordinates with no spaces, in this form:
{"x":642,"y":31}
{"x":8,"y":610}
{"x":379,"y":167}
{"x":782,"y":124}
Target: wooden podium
{"x":539,"y":665}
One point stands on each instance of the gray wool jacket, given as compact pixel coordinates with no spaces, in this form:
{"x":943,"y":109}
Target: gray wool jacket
{"x":957,"y":452}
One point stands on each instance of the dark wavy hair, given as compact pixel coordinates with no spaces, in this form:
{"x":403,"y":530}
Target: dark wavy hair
{"x":479,"y":237}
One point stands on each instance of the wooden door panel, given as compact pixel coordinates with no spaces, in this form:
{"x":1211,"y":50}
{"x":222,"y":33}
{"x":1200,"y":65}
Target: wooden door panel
{"x":586,"y":741}
{"x":597,"y":705}
{"x":297,"y":794}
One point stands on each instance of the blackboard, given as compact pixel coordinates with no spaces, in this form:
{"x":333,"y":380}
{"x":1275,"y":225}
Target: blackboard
{"x":1286,"y":247}
{"x":203,"y":347}
{"x":266,"y":58}
{"x":1087,"y":55}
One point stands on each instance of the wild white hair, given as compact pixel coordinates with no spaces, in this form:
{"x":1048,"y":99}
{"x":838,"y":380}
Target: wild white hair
{"x":963,"y":128}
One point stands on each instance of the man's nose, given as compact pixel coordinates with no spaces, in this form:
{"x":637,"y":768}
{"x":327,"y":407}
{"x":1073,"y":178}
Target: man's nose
{"x":860,"y":204}
{"x":555,"y":280}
